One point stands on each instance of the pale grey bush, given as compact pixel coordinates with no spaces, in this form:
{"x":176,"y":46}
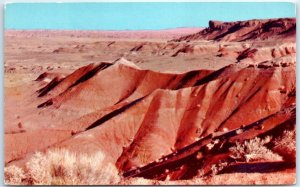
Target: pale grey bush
{"x":61,"y":167}
{"x":14,"y":175}
{"x":285,"y":145}
{"x":254,"y":150}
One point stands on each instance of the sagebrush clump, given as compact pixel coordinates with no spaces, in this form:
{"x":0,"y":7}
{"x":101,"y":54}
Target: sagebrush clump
{"x":254,"y":150}
{"x":14,"y":175}
{"x":62,"y":167}
{"x":216,"y":168}
{"x":285,"y":145}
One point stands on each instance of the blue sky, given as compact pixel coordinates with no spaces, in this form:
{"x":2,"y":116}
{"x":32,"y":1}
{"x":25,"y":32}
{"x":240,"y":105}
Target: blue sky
{"x":136,"y":16}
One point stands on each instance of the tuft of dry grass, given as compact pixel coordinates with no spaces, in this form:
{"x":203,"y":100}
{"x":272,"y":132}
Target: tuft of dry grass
{"x":61,"y":167}
{"x":216,"y":168}
{"x":14,"y":175}
{"x":285,"y":145}
{"x":254,"y":150}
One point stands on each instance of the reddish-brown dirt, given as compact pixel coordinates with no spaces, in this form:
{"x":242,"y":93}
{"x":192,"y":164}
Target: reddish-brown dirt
{"x":152,"y":106}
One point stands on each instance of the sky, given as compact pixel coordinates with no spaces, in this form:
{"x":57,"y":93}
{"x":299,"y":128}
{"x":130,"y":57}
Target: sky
{"x":136,"y":16}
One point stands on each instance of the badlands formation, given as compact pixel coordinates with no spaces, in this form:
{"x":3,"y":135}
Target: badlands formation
{"x":184,"y":106}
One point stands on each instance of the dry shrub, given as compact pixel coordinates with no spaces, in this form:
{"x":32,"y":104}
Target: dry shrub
{"x":14,"y":175}
{"x":61,"y":167}
{"x":285,"y":145}
{"x":216,"y":168}
{"x":254,"y":150}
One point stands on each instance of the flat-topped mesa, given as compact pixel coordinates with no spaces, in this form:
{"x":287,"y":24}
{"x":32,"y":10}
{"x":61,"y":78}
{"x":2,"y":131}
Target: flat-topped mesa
{"x":218,"y":25}
{"x":281,"y":28}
